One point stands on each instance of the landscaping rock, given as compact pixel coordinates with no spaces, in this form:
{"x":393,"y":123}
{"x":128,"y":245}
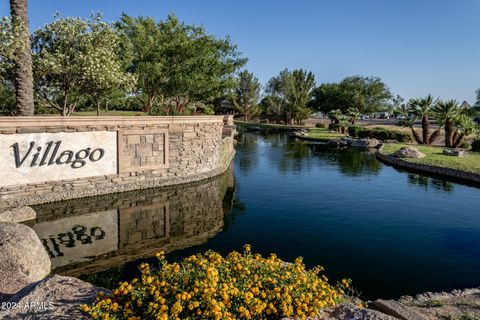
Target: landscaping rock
{"x":408,"y":152}
{"x":458,"y":304}
{"x":390,"y":141}
{"x":349,"y":141}
{"x":365,"y":143}
{"x":23,"y":258}
{"x":333,"y":143}
{"x":300,"y":133}
{"x":350,"y":312}
{"x":54,"y":298}
{"x":18,"y":214}
{"x":397,"y":310}
{"x":455,"y":152}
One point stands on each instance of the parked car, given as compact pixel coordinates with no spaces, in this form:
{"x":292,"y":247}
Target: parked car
{"x":365,"y":117}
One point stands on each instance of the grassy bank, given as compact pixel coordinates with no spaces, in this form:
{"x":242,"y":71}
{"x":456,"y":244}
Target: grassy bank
{"x":324,"y":134}
{"x":264,"y":126}
{"x":434,"y":157}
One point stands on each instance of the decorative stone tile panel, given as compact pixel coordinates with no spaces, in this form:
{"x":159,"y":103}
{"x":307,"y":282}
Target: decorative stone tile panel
{"x":142,"y":150}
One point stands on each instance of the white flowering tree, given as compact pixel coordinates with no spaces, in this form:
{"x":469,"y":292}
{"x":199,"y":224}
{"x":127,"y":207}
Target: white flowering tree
{"x":105,"y":74}
{"x":7,"y":64}
{"x":6,"y":46}
{"x":75,"y":58}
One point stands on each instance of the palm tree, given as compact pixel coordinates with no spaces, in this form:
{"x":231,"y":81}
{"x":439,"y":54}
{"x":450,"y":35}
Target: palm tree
{"x":334,"y":116}
{"x":23,"y":59}
{"x":445,"y":113}
{"x":465,"y":127}
{"x":344,"y":121}
{"x":423,"y":109}
{"x":353,"y":114}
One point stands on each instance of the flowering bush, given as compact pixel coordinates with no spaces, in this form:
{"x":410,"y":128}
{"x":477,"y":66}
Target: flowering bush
{"x":209,"y":286}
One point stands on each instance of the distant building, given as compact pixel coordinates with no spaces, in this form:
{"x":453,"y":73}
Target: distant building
{"x":225,"y":107}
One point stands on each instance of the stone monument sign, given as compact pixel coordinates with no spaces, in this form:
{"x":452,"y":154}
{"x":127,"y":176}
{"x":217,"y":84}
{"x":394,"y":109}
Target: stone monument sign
{"x":38,"y":157}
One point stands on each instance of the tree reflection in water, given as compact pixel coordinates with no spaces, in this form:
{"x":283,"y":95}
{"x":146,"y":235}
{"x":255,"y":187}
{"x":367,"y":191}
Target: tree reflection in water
{"x":350,"y":162}
{"x":289,"y":155}
{"x":426,"y":183}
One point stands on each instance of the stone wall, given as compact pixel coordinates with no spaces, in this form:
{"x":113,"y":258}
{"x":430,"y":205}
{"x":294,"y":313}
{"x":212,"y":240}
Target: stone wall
{"x":152,"y":152}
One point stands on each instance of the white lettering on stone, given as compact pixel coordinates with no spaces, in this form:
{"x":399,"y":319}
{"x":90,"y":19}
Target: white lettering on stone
{"x":40,"y":157}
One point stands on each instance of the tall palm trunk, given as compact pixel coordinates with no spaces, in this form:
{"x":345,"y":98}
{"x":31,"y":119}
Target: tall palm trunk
{"x":448,"y":133}
{"x":416,"y":136}
{"x":434,"y":135}
{"x":23,"y":59}
{"x":425,"y":129}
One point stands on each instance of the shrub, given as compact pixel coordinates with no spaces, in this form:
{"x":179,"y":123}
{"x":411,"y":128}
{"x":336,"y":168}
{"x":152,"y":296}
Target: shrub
{"x":320,"y":125}
{"x":354,"y":131}
{"x":404,"y":136}
{"x":476,"y":145}
{"x":209,"y":286}
{"x":464,"y":145}
{"x":333,"y":127}
{"x":379,"y":133}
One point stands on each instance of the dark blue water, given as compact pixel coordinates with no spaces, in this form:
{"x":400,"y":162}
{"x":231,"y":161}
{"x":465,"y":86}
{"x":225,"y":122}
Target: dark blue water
{"x":392,"y":232}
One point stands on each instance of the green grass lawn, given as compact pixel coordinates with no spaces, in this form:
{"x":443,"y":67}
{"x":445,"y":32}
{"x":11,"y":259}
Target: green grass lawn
{"x":267,"y":126}
{"x":434,"y":156}
{"x":109,"y":113}
{"x":324,"y":134}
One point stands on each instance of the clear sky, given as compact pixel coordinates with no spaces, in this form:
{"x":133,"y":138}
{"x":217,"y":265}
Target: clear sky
{"x":416,"y":46}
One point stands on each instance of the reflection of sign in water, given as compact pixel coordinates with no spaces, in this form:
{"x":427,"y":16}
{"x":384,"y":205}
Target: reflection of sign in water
{"x":136,"y":224}
{"x":39,"y":157}
{"x":79,"y":238}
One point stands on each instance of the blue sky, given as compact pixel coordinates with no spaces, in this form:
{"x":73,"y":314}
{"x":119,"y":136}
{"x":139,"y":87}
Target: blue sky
{"x":416,"y":46}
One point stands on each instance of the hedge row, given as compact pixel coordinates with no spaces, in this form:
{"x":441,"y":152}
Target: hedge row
{"x":379,"y":133}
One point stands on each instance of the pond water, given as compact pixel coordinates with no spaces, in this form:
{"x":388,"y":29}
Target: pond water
{"x":391,"y":232}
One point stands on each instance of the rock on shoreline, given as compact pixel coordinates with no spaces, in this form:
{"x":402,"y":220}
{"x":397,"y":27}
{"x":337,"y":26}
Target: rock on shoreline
{"x":54,"y":298}
{"x":24,"y":259}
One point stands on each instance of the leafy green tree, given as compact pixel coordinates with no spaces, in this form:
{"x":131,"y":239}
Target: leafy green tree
{"x":329,"y":96}
{"x":177,"y":64}
{"x":75,"y":58}
{"x":247,"y":94}
{"x":22,"y":57}
{"x":294,"y":89}
{"x":366,"y":94}
{"x":272,"y":104}
{"x":7,"y":98}
{"x":423,"y":108}
{"x":398,"y":106}
{"x":446,"y":112}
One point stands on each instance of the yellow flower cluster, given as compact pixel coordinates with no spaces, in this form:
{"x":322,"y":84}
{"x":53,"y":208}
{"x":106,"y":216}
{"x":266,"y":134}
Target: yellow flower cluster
{"x":209,"y":286}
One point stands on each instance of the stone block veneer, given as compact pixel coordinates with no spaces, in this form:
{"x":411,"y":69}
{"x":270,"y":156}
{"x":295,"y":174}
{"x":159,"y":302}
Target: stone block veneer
{"x":152,"y":152}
